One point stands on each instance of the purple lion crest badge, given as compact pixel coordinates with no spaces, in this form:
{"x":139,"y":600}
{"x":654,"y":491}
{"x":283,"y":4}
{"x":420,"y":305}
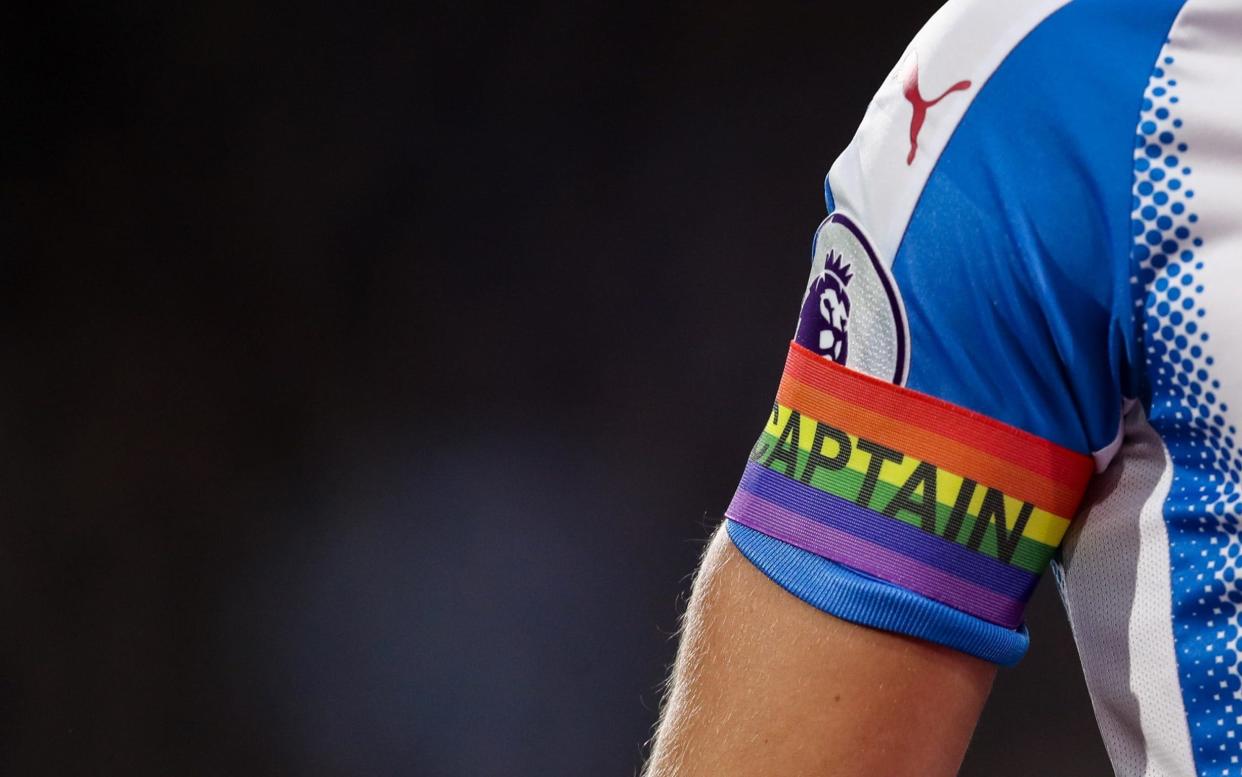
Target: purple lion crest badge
{"x":852,"y":312}
{"x":826,"y":311}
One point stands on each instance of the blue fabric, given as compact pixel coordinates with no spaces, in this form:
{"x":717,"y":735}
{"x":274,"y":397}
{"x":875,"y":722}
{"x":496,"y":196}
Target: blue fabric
{"x":860,"y":598}
{"x":1204,"y":502}
{"x":1015,"y":264}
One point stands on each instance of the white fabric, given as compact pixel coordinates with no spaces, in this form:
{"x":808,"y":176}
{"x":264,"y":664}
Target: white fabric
{"x":1114,"y":580}
{"x":1104,"y":456}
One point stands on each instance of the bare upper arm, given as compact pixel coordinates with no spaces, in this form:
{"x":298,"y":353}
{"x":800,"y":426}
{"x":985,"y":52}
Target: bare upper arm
{"x":765,"y":684}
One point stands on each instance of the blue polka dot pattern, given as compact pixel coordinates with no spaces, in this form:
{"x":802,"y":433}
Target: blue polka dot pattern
{"x":1202,"y":510}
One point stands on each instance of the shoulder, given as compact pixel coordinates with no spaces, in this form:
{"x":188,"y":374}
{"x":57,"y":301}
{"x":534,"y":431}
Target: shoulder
{"x":1013,"y":68}
{"x":991,"y":176}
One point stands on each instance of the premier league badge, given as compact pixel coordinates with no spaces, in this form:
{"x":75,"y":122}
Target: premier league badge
{"x":852,"y":297}
{"x":826,"y":311}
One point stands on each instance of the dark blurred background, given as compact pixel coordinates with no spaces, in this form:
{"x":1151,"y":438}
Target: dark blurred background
{"x":374,"y":377}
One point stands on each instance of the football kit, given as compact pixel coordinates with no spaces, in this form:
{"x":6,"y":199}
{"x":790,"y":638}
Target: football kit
{"x":1018,"y":351}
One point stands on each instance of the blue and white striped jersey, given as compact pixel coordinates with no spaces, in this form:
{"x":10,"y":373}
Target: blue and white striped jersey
{"x":1038,"y":223}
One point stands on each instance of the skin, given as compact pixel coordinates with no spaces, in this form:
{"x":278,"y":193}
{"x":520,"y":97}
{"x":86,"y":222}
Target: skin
{"x":764,"y":684}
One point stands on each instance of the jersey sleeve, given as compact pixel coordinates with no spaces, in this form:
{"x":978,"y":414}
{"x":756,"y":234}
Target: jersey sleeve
{"x":965,"y":340}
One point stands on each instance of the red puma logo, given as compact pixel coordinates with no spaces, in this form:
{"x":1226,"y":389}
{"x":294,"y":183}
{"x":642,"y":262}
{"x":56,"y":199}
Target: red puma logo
{"x":921,"y":106}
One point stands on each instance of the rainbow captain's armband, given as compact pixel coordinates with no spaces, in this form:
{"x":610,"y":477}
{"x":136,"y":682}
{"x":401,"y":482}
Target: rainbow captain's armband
{"x":903,"y":487}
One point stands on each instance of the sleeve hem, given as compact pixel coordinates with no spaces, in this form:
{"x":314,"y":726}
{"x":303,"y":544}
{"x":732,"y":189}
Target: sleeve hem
{"x":868,"y":601}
